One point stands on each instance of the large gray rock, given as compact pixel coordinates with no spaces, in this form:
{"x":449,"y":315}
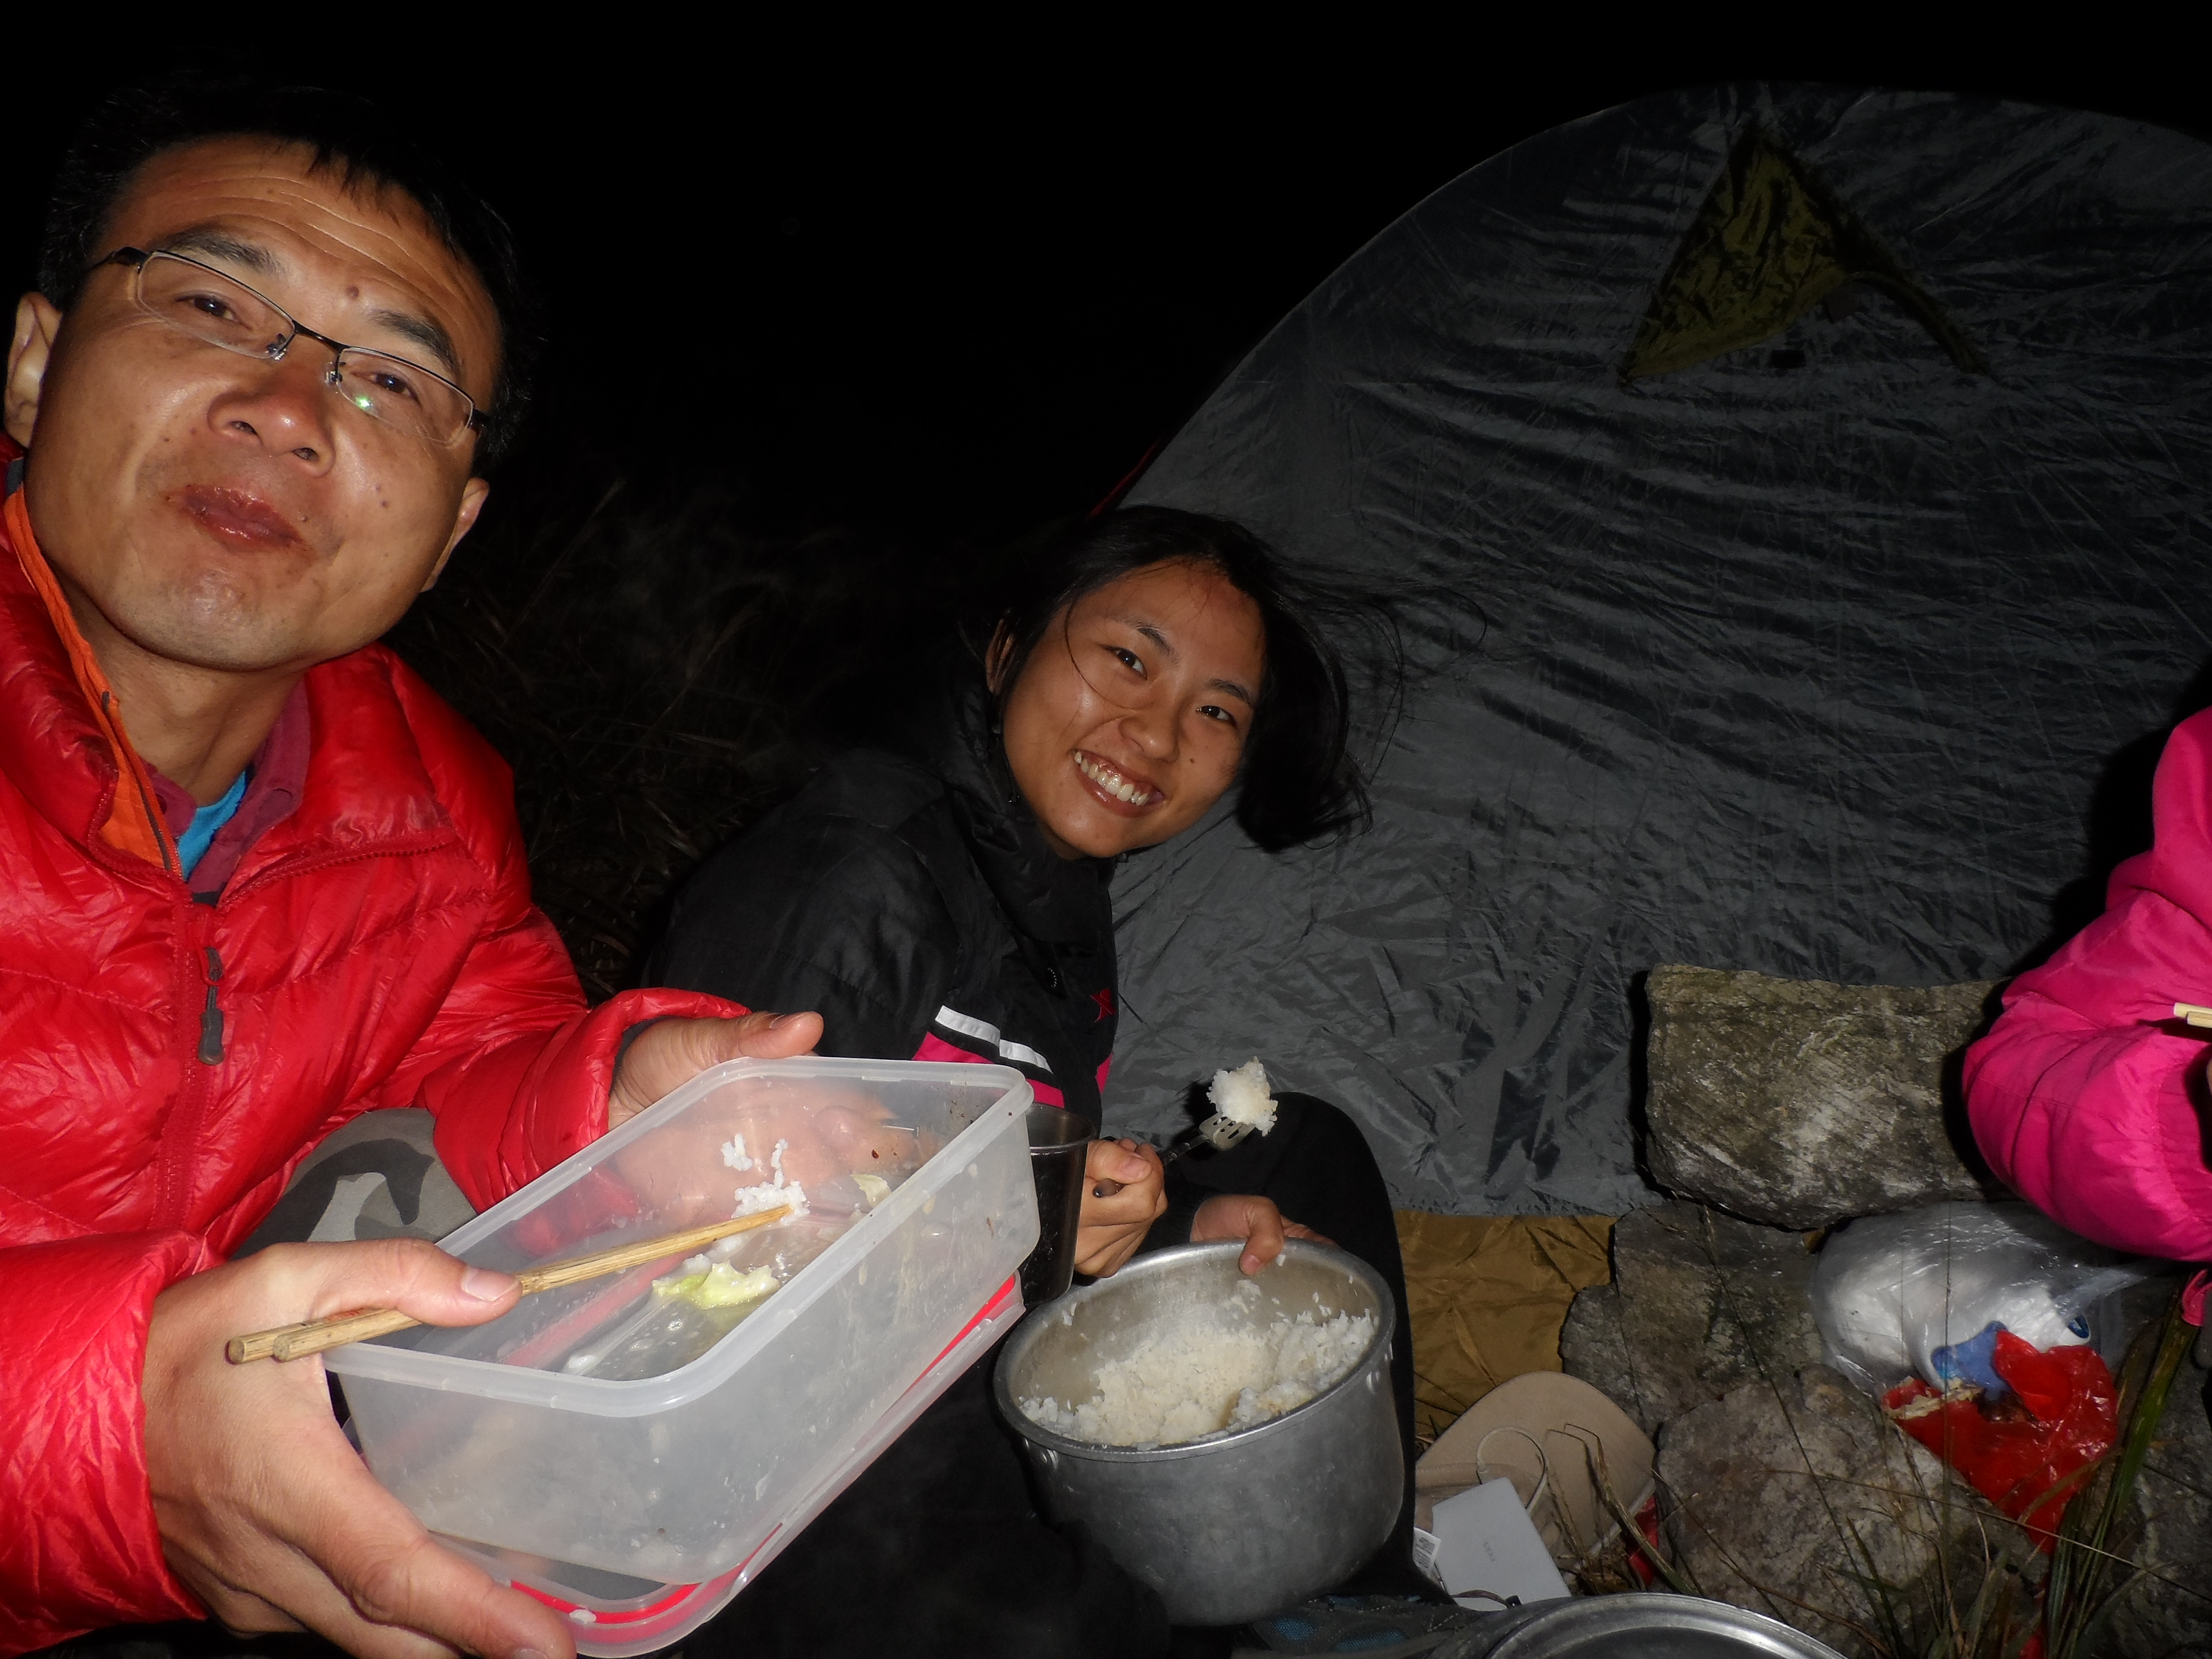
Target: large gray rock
{"x":1700,"y":1303}
{"x":1800,"y":1103}
{"x":1794,"y":1497}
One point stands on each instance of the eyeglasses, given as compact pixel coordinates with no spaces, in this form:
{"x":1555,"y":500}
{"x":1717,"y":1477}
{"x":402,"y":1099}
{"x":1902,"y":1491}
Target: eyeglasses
{"x":200,"y":300}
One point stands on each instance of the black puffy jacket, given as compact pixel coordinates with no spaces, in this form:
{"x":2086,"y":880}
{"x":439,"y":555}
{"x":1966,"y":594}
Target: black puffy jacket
{"x":910,"y":899}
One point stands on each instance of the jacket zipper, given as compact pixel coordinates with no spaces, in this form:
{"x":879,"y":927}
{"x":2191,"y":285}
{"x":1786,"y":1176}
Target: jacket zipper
{"x":211,"y":1015}
{"x":180,"y":1135}
{"x":200,"y":965}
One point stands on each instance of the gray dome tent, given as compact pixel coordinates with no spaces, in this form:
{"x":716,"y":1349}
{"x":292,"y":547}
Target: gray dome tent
{"x":1809,"y":489}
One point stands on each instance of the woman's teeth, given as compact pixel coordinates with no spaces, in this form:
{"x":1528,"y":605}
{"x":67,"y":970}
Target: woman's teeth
{"x":1113,"y":782}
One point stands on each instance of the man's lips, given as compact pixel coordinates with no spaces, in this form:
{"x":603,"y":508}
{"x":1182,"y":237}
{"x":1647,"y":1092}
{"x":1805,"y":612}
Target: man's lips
{"x":1113,"y":788}
{"x":236,"y":516}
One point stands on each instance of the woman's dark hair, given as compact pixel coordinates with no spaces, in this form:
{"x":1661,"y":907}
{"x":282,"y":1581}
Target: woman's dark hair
{"x":1299,"y":781}
{"x":362,"y":144}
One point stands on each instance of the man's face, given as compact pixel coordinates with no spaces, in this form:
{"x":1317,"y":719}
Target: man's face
{"x":228,"y":511}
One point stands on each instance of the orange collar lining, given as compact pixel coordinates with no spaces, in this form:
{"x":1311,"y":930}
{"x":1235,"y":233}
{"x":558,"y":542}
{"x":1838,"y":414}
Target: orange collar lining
{"x":134,"y":824}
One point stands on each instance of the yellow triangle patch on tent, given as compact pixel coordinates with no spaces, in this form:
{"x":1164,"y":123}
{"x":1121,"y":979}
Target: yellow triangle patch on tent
{"x":1770,"y":243}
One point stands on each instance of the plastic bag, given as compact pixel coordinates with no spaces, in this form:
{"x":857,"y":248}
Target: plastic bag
{"x":1977,"y":1326}
{"x":2067,"y":1416}
{"x":1917,"y":1294}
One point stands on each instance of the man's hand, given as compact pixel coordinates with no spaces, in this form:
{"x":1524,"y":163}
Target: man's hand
{"x":669,"y":1053}
{"x":265,"y":1511}
{"x":1108,"y":1230}
{"x":1252,"y":1219}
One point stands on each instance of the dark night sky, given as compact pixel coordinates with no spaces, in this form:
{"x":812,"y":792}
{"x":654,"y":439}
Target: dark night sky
{"x":958,"y":303}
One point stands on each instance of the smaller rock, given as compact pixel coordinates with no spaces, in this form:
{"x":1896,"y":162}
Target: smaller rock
{"x":1700,"y":1304}
{"x":1593,"y":1346}
{"x":1800,"y":1103}
{"x":2168,"y":1610}
{"x":1795,"y":1498}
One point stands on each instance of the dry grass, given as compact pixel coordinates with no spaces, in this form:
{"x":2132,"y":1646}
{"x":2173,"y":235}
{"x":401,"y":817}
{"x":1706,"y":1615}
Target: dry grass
{"x":658,"y":674}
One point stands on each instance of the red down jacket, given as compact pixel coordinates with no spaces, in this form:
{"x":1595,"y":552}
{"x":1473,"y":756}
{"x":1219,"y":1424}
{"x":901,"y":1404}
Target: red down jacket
{"x":378,"y":947}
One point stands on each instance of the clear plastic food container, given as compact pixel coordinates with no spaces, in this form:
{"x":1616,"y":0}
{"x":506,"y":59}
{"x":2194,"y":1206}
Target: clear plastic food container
{"x":616,"y":1617}
{"x":667,"y":1437}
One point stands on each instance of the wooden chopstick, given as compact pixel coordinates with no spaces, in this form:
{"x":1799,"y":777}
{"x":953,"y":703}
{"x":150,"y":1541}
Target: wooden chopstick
{"x":2193,"y":1013}
{"x":297,"y":1341}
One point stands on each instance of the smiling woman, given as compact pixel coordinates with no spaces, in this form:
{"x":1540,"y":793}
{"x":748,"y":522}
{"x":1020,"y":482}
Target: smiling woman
{"x":1126,"y":726}
{"x":1184,"y":630}
{"x":946,"y":898}
{"x":1127,"y":679}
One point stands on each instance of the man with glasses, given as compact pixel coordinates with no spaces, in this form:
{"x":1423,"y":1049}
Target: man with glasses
{"x":255,"y":879}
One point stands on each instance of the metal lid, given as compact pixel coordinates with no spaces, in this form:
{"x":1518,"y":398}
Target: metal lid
{"x":1649,"y":1626}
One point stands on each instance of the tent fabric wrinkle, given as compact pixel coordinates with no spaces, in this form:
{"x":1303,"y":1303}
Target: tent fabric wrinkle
{"x":1817,"y":655}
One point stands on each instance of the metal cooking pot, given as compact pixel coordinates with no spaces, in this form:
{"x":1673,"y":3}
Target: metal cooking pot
{"x":1647,"y":1626}
{"x":1233,"y":1527}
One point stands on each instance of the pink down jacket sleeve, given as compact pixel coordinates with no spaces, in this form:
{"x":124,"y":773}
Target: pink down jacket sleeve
{"x":2087,"y":1096}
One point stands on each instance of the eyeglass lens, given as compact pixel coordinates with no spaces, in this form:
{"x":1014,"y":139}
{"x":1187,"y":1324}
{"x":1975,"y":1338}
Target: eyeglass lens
{"x":211,"y":307}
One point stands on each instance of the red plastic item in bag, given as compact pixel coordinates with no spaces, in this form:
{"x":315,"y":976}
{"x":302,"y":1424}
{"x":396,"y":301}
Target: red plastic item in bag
{"x":1647,"y":1523}
{"x":2066,"y":1417}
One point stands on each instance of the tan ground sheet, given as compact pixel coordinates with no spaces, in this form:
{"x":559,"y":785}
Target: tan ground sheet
{"x":1488,"y":1296}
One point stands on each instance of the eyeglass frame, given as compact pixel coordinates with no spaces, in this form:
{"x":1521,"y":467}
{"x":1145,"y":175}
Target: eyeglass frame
{"x":134,"y":261}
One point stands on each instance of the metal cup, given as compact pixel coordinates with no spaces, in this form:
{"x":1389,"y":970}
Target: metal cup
{"x":1060,"y":1141}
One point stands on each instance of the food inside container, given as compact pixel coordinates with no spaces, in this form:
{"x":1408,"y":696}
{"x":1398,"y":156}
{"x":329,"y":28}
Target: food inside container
{"x":1211,"y":1366}
{"x":679,"y":1316}
{"x":828,"y":1164}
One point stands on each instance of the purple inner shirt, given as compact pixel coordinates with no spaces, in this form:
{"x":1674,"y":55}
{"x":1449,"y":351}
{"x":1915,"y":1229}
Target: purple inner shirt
{"x":279,"y":769}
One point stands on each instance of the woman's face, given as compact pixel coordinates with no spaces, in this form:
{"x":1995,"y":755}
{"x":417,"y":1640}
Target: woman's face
{"x":1130,"y":717}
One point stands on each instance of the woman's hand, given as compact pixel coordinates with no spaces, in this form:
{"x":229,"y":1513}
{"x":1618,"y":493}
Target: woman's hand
{"x":1252,"y":1219}
{"x":1110,"y":1230}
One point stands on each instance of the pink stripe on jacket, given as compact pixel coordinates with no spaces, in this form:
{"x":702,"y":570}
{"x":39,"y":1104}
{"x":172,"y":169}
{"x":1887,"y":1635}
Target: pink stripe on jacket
{"x":2087,"y":1096}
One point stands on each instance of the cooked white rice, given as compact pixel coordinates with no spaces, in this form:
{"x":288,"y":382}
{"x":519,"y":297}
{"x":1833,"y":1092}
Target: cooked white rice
{"x":1215,"y":1371}
{"x":1242,"y":1096}
{"x":769,"y":1194}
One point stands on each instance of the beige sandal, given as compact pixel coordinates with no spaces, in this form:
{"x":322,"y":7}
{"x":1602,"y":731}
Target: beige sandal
{"x":1576,"y":1460}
